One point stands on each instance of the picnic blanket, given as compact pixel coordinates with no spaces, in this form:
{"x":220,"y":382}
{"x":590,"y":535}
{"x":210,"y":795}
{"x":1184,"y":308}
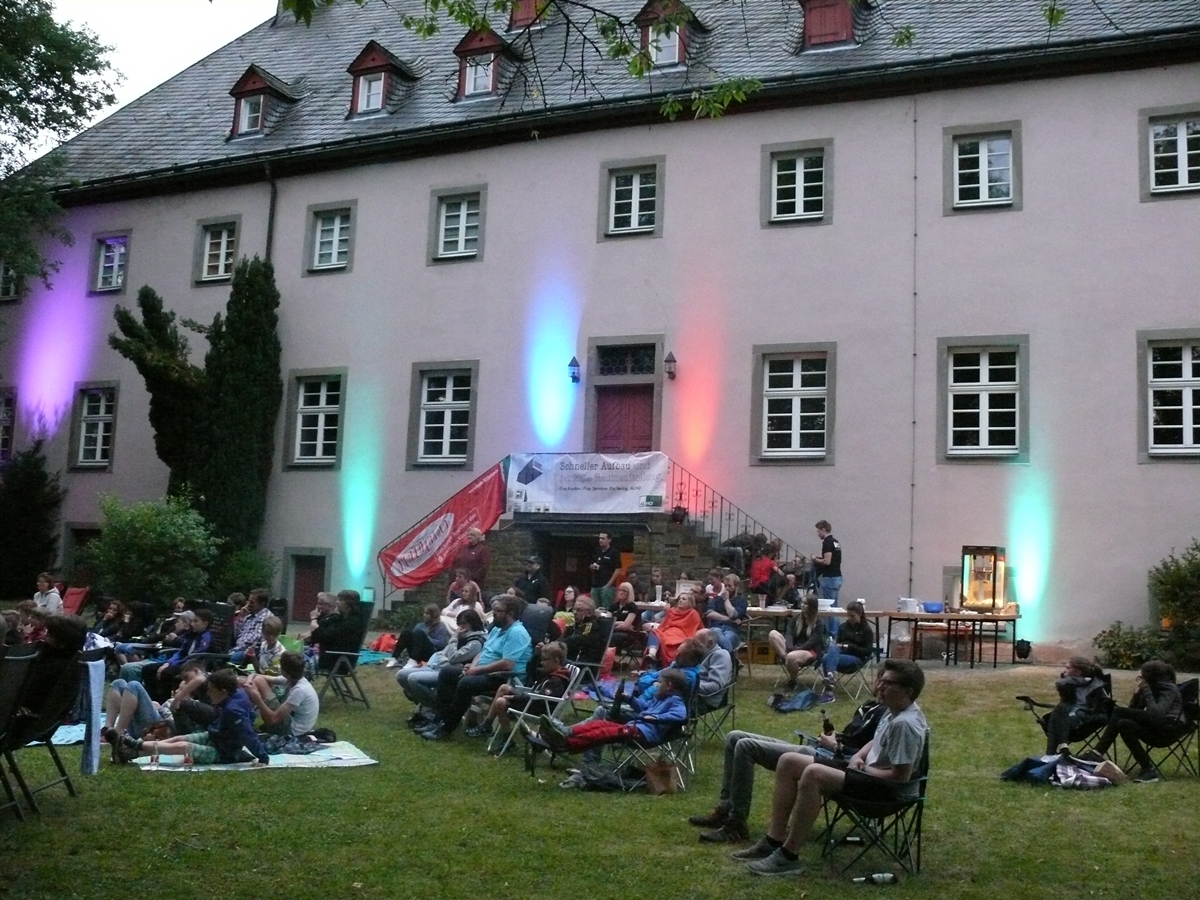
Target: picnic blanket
{"x":339,"y":754}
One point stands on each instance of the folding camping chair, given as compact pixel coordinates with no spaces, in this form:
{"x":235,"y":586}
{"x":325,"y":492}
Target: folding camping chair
{"x":711,"y":720}
{"x":14,"y":667}
{"x":1086,"y":731}
{"x":342,"y":676}
{"x":1177,"y":747}
{"x":592,"y":663}
{"x":892,"y":827}
{"x":537,"y":704}
{"x":74,"y":600}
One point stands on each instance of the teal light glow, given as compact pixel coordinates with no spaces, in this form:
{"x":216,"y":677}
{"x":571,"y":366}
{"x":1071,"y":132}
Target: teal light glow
{"x":551,"y":333}
{"x":1031,"y":545}
{"x":361,"y":474}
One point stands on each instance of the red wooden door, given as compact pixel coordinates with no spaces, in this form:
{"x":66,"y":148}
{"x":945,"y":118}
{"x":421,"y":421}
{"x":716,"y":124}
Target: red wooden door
{"x":625,"y":418}
{"x":308,"y":579}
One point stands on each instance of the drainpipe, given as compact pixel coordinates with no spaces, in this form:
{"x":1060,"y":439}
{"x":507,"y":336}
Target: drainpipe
{"x":912,"y":473}
{"x":270,"y":210}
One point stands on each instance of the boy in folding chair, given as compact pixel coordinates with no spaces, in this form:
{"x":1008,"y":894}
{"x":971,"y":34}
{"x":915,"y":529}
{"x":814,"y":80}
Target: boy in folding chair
{"x":650,"y":721}
{"x":883,"y":770}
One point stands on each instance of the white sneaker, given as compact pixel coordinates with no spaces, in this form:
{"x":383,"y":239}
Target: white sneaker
{"x":391,"y":663}
{"x":411,"y":664}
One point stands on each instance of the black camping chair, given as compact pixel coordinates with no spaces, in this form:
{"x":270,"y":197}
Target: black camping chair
{"x":339,"y":667}
{"x":1176,"y":746}
{"x":536,"y":619}
{"x":1084,"y":731}
{"x":14,"y":667}
{"x":893,"y":827}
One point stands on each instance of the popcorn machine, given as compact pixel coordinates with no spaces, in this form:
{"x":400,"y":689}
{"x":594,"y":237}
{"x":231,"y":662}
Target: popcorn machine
{"x":983,"y":572}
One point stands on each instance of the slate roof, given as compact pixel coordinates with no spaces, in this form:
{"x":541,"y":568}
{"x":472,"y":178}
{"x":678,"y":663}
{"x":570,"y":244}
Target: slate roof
{"x":182,"y":127}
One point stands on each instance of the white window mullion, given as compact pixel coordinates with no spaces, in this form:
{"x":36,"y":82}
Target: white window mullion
{"x":318,"y":418}
{"x":445,"y":416}
{"x":1174,"y":398}
{"x":795,"y":406}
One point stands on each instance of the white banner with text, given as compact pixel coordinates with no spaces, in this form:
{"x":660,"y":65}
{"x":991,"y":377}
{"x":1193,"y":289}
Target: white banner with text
{"x":587,"y":482}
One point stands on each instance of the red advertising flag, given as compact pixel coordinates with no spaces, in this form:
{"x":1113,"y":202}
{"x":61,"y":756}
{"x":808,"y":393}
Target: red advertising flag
{"x":429,"y":547}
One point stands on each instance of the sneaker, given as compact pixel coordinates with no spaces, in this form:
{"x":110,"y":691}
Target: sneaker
{"x":391,"y":663}
{"x":410,"y":664}
{"x":551,"y":736}
{"x":729,"y":832}
{"x":760,"y":849}
{"x":483,"y":729}
{"x":435,"y":732}
{"x":776,"y":864}
{"x":125,"y":753}
{"x":1148,"y":775}
{"x":827,"y":697}
{"x":793,"y":683}
{"x":714,"y":819}
{"x":549,"y":723}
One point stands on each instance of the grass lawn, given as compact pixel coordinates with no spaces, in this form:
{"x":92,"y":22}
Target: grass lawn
{"x":444,"y":821}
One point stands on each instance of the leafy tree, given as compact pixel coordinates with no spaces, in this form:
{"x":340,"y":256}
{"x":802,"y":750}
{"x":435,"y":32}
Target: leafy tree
{"x":53,"y":78}
{"x":241,"y":396}
{"x":161,"y":354}
{"x":1175,"y":593}
{"x":152,"y":551}
{"x":244,"y":570}
{"x":30,"y":500}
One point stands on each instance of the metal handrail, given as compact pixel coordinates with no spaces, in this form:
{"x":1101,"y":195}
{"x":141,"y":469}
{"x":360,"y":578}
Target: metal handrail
{"x":713,"y":514}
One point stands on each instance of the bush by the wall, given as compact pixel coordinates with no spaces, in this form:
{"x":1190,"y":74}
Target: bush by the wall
{"x":1126,"y":647}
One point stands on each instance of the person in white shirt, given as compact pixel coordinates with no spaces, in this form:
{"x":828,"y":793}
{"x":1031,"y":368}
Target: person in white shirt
{"x":47,"y":596}
{"x":288,"y":703}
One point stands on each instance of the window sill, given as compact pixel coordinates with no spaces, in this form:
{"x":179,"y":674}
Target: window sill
{"x":455,"y":258}
{"x":633,"y":232}
{"x":107,"y":290}
{"x":91,"y":467}
{"x":1166,"y":192}
{"x":984,"y":206}
{"x":325,"y":465}
{"x":205,"y":282}
{"x":785,"y":221}
{"x":327,"y":270}
{"x":764,"y":459}
{"x":438,"y":464}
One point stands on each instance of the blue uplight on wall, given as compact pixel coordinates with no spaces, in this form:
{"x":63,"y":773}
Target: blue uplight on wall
{"x":551,"y":332}
{"x":360,"y":477}
{"x":1031,"y":541}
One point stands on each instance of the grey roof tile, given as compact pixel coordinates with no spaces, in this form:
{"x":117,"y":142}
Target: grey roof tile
{"x":185,"y":122}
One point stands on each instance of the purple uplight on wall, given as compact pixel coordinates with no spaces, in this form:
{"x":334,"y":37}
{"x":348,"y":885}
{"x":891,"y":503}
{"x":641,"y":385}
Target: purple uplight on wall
{"x":55,"y":345}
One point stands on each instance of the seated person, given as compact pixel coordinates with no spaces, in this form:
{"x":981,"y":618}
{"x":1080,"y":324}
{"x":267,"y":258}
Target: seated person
{"x":128,"y":709}
{"x":109,"y":625}
{"x":468,"y":598}
{"x":854,"y":644}
{"x":148,"y":632}
{"x":727,"y":612}
{"x":745,"y":750}
{"x":326,"y":607}
{"x":883,"y":770}
{"x":287,"y":703}
{"x":715,"y":673}
{"x":340,"y":632}
{"x":1154,"y":714}
{"x":225,"y":739}
{"x":270,"y":648}
{"x":160,"y":678}
{"x":420,"y":684}
{"x":1082,"y":707}
{"x":505,"y":653}
{"x":584,"y":639}
{"x":650,"y":721}
{"x":32,"y":623}
{"x":551,"y":681}
{"x":688,"y":660}
{"x":627,"y":618}
{"x":681,"y":622}
{"x":802,"y":642}
{"x":421,"y":641}
{"x":57,"y":658}
{"x":248,"y":621}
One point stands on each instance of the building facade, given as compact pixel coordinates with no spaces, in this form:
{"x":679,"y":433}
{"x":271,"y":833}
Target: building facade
{"x":939,"y":295}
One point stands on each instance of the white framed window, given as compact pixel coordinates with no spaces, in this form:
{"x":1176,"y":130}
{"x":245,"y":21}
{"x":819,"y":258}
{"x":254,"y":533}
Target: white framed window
{"x":370,"y":92}
{"x":8,"y":423}
{"x":633,"y":201}
{"x":220,"y":248}
{"x":477,"y":77}
{"x":1175,"y":154}
{"x":795,"y":390}
{"x":458,"y":225}
{"x":318,"y":420}
{"x":10,"y":282}
{"x":983,"y":170}
{"x":111,"y":255}
{"x":96,"y":426}
{"x":984,"y":402}
{"x":445,"y":416}
{"x":331,"y":239}
{"x":1173,"y":384}
{"x":664,"y":46}
{"x":250,"y":114}
{"x":798,"y":186}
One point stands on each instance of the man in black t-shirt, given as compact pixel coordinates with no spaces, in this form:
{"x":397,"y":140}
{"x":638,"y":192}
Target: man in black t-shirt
{"x":533,"y":584}
{"x":828,"y":563}
{"x":604,"y":573}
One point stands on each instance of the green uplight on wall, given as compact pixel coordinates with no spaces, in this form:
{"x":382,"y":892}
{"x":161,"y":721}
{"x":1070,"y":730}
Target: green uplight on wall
{"x":1030,"y":545}
{"x":361,"y":476}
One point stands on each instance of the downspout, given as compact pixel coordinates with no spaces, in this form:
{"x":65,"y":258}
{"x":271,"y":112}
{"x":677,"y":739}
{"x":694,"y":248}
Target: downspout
{"x":912,"y":472}
{"x":270,"y":210}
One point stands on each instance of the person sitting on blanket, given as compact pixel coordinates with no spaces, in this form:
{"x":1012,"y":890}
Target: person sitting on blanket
{"x":744,"y":750}
{"x":883,"y":770}
{"x":650,"y":721}
{"x":505,"y":653}
{"x":421,"y":641}
{"x":128,"y":709}
{"x":288,"y":703}
{"x":551,"y":681}
{"x":420,"y":684}
{"x":224,"y":741}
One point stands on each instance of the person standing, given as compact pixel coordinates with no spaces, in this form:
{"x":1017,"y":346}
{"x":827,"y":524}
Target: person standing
{"x":533,"y":584}
{"x":828,"y":563}
{"x":604,"y":572}
{"x":474,"y":558}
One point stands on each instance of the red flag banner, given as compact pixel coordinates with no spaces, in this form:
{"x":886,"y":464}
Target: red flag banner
{"x":429,"y":547}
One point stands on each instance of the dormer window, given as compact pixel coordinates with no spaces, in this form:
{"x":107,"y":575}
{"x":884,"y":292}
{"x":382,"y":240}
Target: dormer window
{"x":370,"y":92}
{"x":250,"y":114}
{"x":479,"y":75}
{"x":665,"y":48}
{"x":480,"y":55}
{"x":666,"y":26}
{"x":525,"y":13}
{"x":827,"y":22}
